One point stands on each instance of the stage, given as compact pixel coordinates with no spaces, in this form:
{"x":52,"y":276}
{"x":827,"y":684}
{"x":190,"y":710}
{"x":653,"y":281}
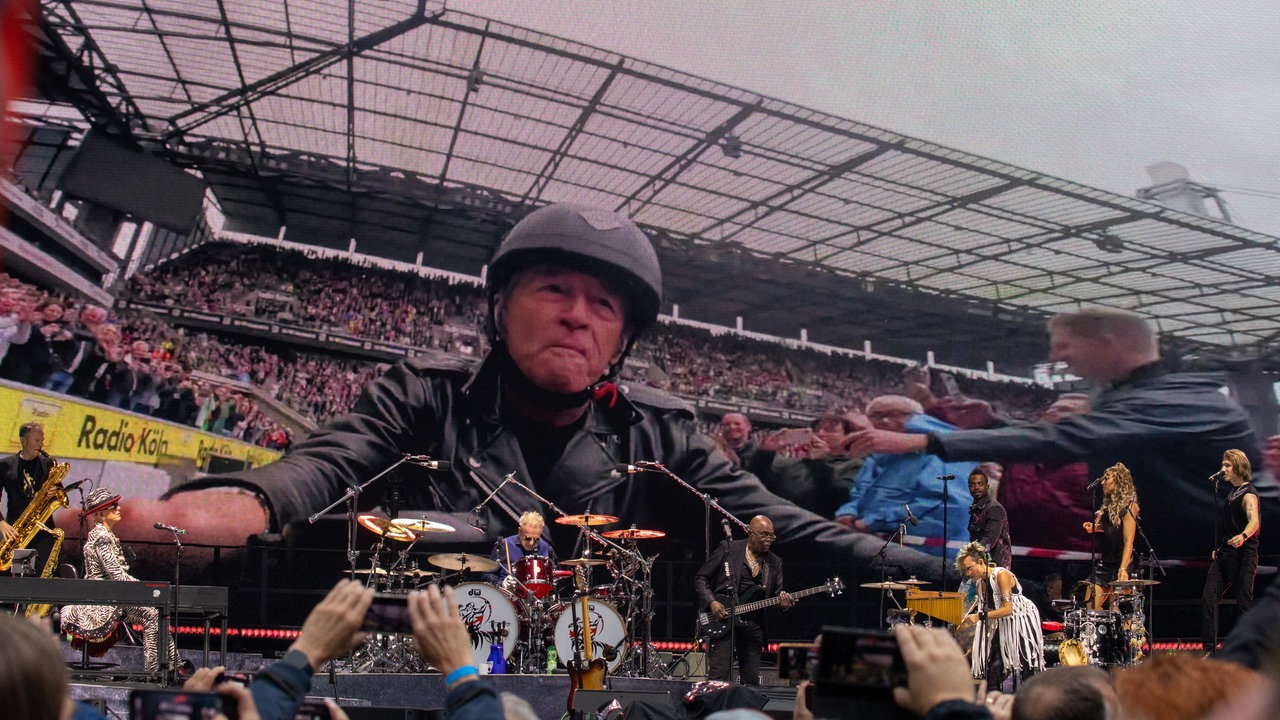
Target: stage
{"x":548,"y":694}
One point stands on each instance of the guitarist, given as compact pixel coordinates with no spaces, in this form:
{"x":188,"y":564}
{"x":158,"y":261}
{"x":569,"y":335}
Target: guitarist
{"x":748,"y":567}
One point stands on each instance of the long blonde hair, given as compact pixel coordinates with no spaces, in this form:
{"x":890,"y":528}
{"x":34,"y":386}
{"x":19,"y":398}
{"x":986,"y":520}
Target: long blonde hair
{"x":1116,"y":502}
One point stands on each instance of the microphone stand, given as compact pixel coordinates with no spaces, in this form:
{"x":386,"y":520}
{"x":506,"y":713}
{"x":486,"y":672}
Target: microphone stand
{"x":708,"y":503}
{"x":166,"y":638}
{"x":878,"y":561}
{"x":1149,"y":595}
{"x":1216,"y":509}
{"x":350,"y":497}
{"x":946,"y":534}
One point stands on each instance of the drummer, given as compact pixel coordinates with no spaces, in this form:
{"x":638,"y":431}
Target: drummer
{"x":508,"y":551}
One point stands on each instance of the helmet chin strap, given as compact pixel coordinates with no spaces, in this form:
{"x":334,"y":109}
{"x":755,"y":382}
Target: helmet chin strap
{"x":520,"y":384}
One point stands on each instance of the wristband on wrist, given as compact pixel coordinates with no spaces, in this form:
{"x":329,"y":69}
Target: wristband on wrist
{"x":459,"y":673}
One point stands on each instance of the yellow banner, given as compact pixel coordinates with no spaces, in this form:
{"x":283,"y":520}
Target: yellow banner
{"x":75,"y":429}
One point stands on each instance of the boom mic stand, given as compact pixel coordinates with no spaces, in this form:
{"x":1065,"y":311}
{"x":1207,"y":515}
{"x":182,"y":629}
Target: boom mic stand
{"x":353,"y":493}
{"x":1152,"y":564}
{"x":708,"y":502}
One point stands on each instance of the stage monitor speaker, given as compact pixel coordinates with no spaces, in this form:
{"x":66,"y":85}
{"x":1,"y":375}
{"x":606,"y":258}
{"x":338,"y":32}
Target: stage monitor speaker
{"x":685,"y":666}
{"x":594,"y":701}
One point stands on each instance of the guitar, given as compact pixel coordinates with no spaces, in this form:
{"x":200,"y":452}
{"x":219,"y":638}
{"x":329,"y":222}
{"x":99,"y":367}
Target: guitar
{"x":714,"y":628}
{"x":585,"y":672}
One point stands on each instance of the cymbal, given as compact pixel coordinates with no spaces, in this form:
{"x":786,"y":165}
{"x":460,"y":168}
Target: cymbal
{"x":420,"y":525}
{"x":1140,"y":582}
{"x":582,"y":562}
{"x":418,"y":573}
{"x":383,"y":527}
{"x":883,"y":586}
{"x":463,"y":561}
{"x":634,"y":534}
{"x":912,"y":581}
{"x":371,"y":571}
{"x":587,"y":519}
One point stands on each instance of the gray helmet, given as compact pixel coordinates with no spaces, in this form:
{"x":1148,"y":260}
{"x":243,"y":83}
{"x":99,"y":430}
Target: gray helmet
{"x":588,"y":239}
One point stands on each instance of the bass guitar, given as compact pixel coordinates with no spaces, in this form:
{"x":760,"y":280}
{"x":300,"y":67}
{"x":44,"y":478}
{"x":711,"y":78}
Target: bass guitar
{"x":585,"y":672}
{"x":714,"y":628}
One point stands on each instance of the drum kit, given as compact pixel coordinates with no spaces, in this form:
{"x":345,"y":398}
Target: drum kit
{"x":528,"y":614}
{"x":1115,"y":637}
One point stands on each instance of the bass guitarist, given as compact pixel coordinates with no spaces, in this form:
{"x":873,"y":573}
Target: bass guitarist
{"x":747,"y":567}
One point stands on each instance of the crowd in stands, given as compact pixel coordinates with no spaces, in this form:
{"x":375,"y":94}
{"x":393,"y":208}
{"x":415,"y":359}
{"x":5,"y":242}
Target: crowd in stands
{"x":360,"y":299}
{"x":352,"y":297}
{"x":132,"y":362}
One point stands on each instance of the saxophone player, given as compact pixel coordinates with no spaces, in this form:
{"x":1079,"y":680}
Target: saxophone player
{"x":21,"y":477}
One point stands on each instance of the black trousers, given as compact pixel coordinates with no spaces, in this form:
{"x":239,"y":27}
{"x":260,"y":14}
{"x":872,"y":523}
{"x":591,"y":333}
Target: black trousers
{"x":1234,"y":567}
{"x":749,"y":639}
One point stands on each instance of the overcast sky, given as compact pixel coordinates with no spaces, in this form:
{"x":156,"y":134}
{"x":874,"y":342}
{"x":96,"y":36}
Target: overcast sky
{"x":1091,"y":92}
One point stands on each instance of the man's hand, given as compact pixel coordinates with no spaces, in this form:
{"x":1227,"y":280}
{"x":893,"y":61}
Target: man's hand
{"x":333,"y":627}
{"x":800,"y":711}
{"x":936,"y":669}
{"x":7,"y":532}
{"x":966,"y":413}
{"x":438,"y":632}
{"x":242,"y":698}
{"x":785,"y":600}
{"x":717,"y":608}
{"x":203,"y":678}
{"x":867,"y":442}
{"x":1065,"y":406}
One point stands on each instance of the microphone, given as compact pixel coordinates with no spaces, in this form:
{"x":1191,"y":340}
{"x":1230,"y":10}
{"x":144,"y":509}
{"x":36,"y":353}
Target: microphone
{"x":75,"y":485}
{"x":170,"y":528}
{"x":946,"y":477}
{"x":728,"y":532}
{"x":915,"y":522}
{"x":1098,"y":482}
{"x":426,"y":462}
{"x":1220,"y":475}
{"x":627,"y":469}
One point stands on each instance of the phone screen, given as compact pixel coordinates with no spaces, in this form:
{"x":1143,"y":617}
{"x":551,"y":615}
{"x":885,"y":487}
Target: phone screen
{"x":797,"y":661}
{"x":177,"y":705}
{"x":389,"y":613}
{"x":867,"y":661}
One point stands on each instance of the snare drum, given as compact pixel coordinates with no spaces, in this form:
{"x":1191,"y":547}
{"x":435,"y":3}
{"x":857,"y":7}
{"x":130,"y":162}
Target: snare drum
{"x":533,"y":573}
{"x":484,"y":610}
{"x":608,"y":632}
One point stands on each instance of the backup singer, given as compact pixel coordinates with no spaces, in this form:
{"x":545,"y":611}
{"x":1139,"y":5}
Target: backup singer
{"x":104,"y":560}
{"x":1235,"y":561}
{"x":508,"y":551}
{"x":1008,"y":643}
{"x":1117,"y":522}
{"x":755,"y":574}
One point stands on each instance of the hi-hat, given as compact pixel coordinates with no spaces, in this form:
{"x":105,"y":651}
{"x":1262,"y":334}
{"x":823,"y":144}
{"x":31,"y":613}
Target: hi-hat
{"x":384,"y":527}
{"x":582,"y":562}
{"x":883,"y":586}
{"x":418,"y":573}
{"x":634,"y":534}
{"x":421,"y":525}
{"x":371,"y":571}
{"x":1140,"y":582}
{"x":463,"y":561}
{"x":587,"y":519}
{"x":912,"y":581}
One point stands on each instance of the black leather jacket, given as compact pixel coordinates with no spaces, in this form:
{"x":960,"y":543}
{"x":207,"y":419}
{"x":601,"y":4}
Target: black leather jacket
{"x":451,"y":410}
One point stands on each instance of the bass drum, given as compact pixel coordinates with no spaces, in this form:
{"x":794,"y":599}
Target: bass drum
{"x":490,"y":616}
{"x":608,"y":632}
{"x":1067,"y":652}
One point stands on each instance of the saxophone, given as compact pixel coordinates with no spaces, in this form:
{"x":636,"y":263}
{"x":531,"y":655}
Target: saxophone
{"x":49,"y":498}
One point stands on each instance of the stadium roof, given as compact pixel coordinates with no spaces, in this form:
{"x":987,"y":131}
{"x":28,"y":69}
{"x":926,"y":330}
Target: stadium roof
{"x":388,"y":122}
